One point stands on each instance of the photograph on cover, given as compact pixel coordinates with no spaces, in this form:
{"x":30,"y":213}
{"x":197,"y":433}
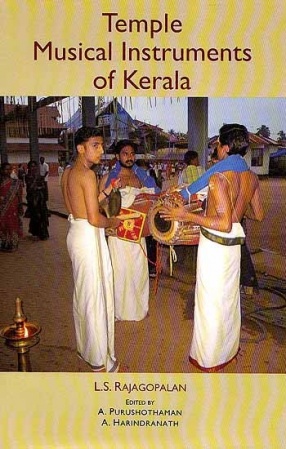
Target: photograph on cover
{"x":83,"y":291}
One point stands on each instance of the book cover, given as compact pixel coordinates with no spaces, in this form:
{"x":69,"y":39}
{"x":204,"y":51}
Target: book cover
{"x":173,"y":50}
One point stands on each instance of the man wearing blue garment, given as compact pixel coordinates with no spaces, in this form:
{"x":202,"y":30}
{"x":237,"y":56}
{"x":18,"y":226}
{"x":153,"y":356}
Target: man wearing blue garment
{"x":233,"y":192}
{"x":129,"y":260}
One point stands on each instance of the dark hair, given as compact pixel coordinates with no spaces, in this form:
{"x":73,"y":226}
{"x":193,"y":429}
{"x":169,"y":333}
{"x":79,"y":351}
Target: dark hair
{"x":214,"y":154}
{"x":30,"y":163}
{"x":86,"y":132}
{"x":4,"y":165}
{"x":124,"y":143}
{"x":189,"y":156}
{"x":236,"y":137}
{"x":142,"y":163}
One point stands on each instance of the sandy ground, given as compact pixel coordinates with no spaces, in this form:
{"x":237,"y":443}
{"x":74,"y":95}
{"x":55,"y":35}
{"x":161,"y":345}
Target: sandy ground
{"x":40,"y":274}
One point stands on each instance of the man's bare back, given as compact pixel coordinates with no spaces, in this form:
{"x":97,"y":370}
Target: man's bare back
{"x":239,"y":190}
{"x":231,"y":196}
{"x":73,"y":190}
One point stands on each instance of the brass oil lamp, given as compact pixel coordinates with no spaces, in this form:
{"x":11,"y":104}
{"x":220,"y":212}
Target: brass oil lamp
{"x":21,"y":336}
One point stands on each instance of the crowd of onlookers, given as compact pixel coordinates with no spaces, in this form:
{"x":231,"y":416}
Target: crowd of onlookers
{"x":161,"y":171}
{"x":34,"y":177}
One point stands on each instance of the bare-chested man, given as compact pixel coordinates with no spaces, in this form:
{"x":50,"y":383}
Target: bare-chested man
{"x":93,"y":298}
{"x":131,"y":278}
{"x":231,"y":196}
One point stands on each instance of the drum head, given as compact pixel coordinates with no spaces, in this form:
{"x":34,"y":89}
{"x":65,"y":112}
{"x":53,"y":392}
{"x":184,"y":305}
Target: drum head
{"x":162,"y":230}
{"x":161,"y":224}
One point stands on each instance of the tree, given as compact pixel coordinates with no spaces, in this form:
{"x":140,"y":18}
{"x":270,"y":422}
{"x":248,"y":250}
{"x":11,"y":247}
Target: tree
{"x":281,"y":136}
{"x":157,"y":140}
{"x":263,"y":131}
{"x":149,"y":138}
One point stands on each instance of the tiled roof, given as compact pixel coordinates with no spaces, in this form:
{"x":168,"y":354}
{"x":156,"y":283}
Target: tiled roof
{"x":47,"y":115}
{"x":253,"y":138}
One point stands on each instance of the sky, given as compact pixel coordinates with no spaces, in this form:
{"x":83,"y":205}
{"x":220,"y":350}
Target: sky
{"x":172,"y":113}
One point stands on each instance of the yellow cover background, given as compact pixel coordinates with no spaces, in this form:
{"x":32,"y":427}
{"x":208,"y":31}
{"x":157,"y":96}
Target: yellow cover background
{"x":258,"y":25}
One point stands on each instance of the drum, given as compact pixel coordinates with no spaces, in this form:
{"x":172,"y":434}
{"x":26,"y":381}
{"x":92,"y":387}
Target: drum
{"x":173,"y":232}
{"x":143,"y":203}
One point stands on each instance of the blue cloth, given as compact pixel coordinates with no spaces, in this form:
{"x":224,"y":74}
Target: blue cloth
{"x":145,"y":179}
{"x":235,"y":162}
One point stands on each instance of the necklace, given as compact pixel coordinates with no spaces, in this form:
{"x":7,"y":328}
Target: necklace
{"x":80,"y":163}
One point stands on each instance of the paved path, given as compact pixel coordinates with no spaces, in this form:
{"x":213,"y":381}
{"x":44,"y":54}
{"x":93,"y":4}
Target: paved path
{"x":40,"y":274}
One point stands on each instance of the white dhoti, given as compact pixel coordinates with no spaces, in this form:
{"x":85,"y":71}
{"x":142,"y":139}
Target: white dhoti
{"x":130,"y":270}
{"x":93,"y":300}
{"x":217,"y":317}
{"x":131,"y":279}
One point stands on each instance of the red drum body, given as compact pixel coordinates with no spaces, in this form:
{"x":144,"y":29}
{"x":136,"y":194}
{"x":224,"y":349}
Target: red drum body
{"x":172,"y":232}
{"x":143,"y":203}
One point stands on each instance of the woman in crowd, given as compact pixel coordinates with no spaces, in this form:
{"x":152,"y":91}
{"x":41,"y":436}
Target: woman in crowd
{"x":11,"y":209}
{"x":37,"y":209}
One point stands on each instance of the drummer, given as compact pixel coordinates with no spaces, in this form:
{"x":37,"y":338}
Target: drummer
{"x":233,"y":193}
{"x":129,"y":261}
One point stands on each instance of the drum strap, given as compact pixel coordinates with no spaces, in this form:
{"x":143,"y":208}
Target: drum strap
{"x":173,"y":258}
